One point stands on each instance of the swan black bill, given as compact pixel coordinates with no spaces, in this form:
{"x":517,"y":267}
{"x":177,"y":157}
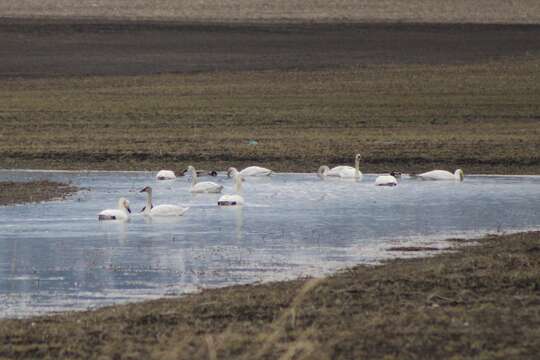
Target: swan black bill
{"x":227,"y":203}
{"x":106,"y":217}
{"x":144,"y":208}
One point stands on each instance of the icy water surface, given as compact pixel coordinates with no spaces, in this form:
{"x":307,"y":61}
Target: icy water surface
{"x":56,"y":256}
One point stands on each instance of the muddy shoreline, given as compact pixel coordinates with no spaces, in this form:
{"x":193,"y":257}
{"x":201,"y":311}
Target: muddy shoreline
{"x":482,"y":300}
{"x":34,"y":191}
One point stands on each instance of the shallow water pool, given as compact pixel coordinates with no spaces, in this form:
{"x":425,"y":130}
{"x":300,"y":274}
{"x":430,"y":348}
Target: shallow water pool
{"x":56,"y":256}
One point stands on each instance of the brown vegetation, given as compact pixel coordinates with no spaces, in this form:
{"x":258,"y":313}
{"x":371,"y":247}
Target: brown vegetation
{"x":33,"y":191}
{"x":483,"y":118}
{"x":408,"y":97}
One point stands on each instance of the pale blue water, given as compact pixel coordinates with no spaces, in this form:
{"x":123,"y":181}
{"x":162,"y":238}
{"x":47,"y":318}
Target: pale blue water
{"x":56,"y":256}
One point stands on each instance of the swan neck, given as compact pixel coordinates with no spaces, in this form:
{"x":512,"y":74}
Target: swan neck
{"x":193,"y":176}
{"x":322,"y":171}
{"x":357,"y":166}
{"x":148,"y":207}
{"x":237,"y":182}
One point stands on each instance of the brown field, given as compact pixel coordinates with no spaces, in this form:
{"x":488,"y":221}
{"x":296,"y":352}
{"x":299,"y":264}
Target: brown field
{"x":148,"y":95}
{"x":480,"y":302}
{"x":68,"y":48}
{"x":479,"y":11}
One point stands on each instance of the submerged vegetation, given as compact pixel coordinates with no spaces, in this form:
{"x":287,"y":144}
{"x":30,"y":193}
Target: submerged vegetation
{"x":481,"y":301}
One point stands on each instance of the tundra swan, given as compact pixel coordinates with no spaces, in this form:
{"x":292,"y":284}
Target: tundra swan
{"x":122,"y":213}
{"x":386,"y":180}
{"x":234,"y":199}
{"x":253,"y":171}
{"x":160,"y":210}
{"x":343,"y":171}
{"x":165,"y":175}
{"x":442,"y":175}
{"x":202,"y":187}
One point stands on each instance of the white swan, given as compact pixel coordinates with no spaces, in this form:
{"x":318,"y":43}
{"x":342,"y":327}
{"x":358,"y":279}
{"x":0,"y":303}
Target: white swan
{"x":442,"y":175}
{"x":202,"y":187}
{"x":160,"y":210}
{"x":386,"y":180}
{"x":342,"y":171}
{"x":253,"y":171}
{"x":165,"y":175}
{"x":122,"y":213}
{"x":234,"y":199}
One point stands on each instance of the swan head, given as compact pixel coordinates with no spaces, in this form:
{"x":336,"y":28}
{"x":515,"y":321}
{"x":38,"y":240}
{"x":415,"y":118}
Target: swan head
{"x":123,"y":203}
{"x":231,"y":171}
{"x":191,"y":169}
{"x":147,"y":189}
{"x":357,"y":157}
{"x":322,"y":171}
{"x":459,"y":174}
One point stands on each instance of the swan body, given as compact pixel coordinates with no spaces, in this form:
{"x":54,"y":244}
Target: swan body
{"x":203,"y":187}
{"x":165,"y":175}
{"x":206,"y":187}
{"x":255,"y":171}
{"x":233,"y":199}
{"x":386,"y":180}
{"x":165,"y":210}
{"x":121,"y":213}
{"x":342,"y":171}
{"x":160,"y":210}
{"x":442,"y":175}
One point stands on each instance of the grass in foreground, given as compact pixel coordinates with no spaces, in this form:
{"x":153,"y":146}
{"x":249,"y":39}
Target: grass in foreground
{"x":481,"y":301}
{"x":480,"y":117}
{"x":33,"y":191}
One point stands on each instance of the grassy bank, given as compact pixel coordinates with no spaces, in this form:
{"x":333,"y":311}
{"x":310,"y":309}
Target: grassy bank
{"x":33,"y":191}
{"x":481,"y":301}
{"x":480,"y":117}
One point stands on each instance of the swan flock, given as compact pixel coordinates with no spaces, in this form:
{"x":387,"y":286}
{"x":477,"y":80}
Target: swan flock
{"x":123,"y":210}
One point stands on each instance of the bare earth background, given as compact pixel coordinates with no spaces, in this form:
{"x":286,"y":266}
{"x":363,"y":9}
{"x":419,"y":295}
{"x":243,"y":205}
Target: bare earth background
{"x":476,"y":11}
{"x":119,"y":94}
